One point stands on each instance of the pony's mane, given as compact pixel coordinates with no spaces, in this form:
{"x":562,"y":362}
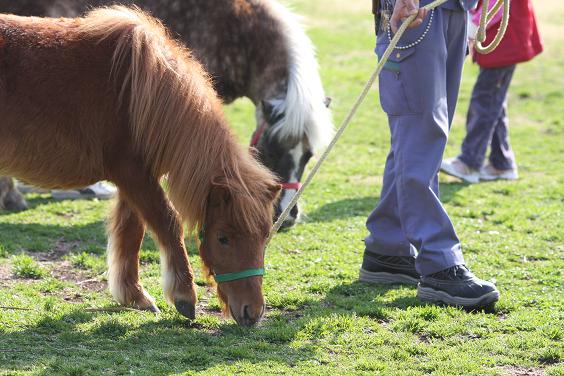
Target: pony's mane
{"x":177,"y":121}
{"x":304,"y":107}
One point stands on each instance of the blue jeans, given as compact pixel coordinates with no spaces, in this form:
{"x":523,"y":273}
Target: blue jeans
{"x":418,"y":90}
{"x":487,"y":121}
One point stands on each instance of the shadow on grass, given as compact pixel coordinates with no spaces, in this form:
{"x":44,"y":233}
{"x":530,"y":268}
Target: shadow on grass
{"x":363,"y":206}
{"x":370,"y":300}
{"x":92,"y":342}
{"x":81,"y":342}
{"x":60,"y":346}
{"x":35,"y":237}
{"x":60,"y":240}
{"x":354,"y":207}
{"x":448,"y":190}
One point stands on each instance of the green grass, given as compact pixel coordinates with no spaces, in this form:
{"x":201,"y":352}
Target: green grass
{"x":24,"y":266}
{"x":320,"y":320}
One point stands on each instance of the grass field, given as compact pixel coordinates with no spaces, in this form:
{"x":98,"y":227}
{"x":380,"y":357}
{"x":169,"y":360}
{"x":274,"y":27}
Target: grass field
{"x":320,"y":320}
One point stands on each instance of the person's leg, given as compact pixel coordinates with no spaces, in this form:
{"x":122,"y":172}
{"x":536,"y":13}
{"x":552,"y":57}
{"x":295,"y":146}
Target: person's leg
{"x":502,"y":159}
{"x":417,"y":91}
{"x":386,"y":235}
{"x":388,"y":257}
{"x":455,"y":284}
{"x":484,"y":113}
{"x":501,"y":155}
{"x":413,"y":93}
{"x":419,"y":144}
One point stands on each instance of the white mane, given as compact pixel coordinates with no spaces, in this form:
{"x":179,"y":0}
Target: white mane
{"x":304,"y":107}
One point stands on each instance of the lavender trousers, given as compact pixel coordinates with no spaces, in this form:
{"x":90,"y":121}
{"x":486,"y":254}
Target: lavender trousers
{"x":487,"y":121}
{"x":418,"y":91}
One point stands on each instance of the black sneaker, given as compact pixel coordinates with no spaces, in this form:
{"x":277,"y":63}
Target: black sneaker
{"x":388,"y":269}
{"x":457,"y":286}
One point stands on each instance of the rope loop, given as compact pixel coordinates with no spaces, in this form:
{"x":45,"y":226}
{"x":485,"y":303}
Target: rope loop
{"x":485,"y":19}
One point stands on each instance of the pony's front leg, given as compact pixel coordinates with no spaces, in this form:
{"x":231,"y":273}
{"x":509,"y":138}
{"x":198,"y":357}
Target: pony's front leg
{"x":125,"y":234}
{"x":148,"y":198}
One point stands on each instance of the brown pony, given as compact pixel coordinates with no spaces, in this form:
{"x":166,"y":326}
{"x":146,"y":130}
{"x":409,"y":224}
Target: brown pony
{"x":112,"y":97}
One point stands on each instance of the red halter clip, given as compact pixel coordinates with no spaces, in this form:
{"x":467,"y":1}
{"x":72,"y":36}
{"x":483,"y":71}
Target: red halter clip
{"x":258,"y":134}
{"x":295,"y":186}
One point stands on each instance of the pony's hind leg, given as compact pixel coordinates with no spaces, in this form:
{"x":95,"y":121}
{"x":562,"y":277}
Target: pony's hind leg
{"x":10,"y":198}
{"x":148,"y":198}
{"x":125,"y":234}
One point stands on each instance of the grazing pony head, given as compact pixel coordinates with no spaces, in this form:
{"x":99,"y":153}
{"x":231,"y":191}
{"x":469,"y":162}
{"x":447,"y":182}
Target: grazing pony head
{"x":232,"y":240}
{"x":293,"y":121}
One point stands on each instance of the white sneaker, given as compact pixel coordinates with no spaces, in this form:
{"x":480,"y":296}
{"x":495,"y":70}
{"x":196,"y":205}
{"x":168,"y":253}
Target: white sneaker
{"x":489,"y":173}
{"x":100,"y":190}
{"x":455,"y":167}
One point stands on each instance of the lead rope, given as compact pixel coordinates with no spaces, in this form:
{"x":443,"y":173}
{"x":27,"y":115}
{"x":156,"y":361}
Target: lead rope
{"x":393,"y":43}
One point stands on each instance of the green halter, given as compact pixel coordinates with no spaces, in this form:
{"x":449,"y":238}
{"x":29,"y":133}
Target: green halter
{"x":228,"y":277}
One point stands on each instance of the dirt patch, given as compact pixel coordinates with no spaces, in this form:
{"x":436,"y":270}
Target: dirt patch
{"x":522,"y":371}
{"x":424,"y":338}
{"x":5,"y":274}
{"x":64,"y":271}
{"x":61,"y":249}
{"x":203,"y":304}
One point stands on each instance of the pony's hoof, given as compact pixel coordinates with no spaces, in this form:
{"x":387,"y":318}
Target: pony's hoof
{"x":186,"y":309}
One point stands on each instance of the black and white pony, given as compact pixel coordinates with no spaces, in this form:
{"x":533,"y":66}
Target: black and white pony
{"x":251,"y":48}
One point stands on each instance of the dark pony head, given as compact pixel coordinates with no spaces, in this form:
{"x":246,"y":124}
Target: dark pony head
{"x":293,"y":119}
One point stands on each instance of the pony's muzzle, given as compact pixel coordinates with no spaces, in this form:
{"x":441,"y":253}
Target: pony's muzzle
{"x":186,"y":309}
{"x":244,"y":299}
{"x":281,"y":205}
{"x":250,"y":315}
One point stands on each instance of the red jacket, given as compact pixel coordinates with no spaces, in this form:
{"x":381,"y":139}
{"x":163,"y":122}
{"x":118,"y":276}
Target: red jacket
{"x":522,"y":41}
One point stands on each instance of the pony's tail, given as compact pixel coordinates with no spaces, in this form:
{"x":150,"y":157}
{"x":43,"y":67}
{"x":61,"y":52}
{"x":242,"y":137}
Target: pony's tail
{"x":168,"y":94}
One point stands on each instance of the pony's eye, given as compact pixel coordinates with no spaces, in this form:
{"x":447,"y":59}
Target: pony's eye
{"x":223,"y":239}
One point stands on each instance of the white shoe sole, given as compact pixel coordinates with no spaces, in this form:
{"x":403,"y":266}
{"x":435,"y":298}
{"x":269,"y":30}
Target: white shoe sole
{"x":384,"y":278}
{"x":472,"y":179}
{"x":431,"y":295}
{"x":505,"y":176}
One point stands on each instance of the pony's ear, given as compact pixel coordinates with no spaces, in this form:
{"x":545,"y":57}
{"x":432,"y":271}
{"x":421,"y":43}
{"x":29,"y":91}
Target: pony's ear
{"x":273,"y":191}
{"x":327,"y":101}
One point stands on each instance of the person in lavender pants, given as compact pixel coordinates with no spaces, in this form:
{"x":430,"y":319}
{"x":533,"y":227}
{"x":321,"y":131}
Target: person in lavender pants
{"x":411,"y":238}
